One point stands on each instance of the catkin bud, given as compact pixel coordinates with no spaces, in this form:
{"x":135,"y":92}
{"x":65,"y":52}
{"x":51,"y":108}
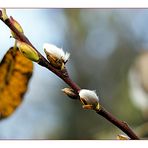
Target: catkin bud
{"x":56,"y":56}
{"x":89,"y":98}
{"x":28,"y":51}
{"x":122,"y":137}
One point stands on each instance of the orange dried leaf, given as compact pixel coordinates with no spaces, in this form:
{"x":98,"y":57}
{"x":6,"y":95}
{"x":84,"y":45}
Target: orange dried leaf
{"x":15,"y":72}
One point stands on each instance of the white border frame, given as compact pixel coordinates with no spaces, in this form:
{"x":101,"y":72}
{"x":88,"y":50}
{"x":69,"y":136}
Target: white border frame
{"x":74,"y":3}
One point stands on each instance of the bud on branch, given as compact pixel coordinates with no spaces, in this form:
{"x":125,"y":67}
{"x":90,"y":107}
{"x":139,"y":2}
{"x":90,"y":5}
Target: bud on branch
{"x":56,"y":56}
{"x":70,"y":93}
{"x":17,"y":26}
{"x":28,"y":51}
{"x":89,"y":98}
{"x":122,"y":137}
{"x":4,"y":14}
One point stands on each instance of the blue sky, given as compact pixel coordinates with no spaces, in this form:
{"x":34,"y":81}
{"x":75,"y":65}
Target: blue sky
{"x":37,"y":104}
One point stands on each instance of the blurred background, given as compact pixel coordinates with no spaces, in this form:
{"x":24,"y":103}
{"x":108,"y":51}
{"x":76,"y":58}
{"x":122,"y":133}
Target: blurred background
{"x":109,"y":54}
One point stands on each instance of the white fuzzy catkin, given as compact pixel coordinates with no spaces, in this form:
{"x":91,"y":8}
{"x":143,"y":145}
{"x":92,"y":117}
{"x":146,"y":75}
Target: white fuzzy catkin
{"x":57,"y":52}
{"x":89,"y":96}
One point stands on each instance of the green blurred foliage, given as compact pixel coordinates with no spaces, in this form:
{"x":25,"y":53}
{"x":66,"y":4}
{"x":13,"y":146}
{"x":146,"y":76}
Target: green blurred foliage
{"x":108,"y":76}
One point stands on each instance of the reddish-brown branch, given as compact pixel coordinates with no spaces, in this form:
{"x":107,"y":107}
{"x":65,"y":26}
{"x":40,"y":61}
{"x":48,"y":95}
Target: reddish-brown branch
{"x":120,"y":124}
{"x":65,"y":77}
{"x":0,"y":14}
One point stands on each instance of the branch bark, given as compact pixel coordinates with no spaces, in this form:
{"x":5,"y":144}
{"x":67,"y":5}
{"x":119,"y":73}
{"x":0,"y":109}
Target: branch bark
{"x":63,"y":74}
{"x":122,"y":125}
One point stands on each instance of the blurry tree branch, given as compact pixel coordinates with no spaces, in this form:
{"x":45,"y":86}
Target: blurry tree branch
{"x":63,"y":74}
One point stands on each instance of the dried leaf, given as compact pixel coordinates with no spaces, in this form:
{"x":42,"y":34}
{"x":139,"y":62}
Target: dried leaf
{"x":15,"y":72}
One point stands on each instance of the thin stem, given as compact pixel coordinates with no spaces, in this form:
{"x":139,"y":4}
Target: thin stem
{"x":120,"y":124}
{"x":20,"y":36}
{"x":43,"y":62}
{"x":63,"y":74}
{"x":73,"y":85}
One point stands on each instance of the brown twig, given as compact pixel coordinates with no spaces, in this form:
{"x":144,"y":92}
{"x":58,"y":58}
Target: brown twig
{"x":63,"y":74}
{"x":120,"y":124}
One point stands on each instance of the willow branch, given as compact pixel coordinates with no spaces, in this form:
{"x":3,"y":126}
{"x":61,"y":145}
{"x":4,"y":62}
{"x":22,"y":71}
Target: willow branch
{"x":63,"y":74}
{"x":122,"y":125}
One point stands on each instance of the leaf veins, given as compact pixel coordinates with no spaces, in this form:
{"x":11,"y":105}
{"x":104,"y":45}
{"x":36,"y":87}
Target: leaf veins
{"x":15,"y":73}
